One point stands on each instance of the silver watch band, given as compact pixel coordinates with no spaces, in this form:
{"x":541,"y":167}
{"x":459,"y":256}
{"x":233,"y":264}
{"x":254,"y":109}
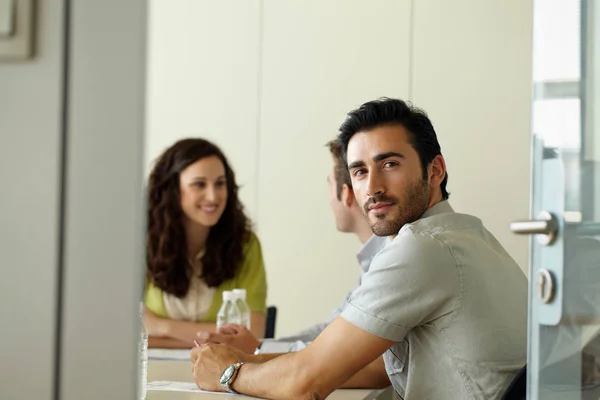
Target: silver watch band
{"x":227,"y":384}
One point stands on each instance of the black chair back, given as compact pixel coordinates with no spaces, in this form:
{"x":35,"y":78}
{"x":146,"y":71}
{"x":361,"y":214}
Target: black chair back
{"x":271,"y":319}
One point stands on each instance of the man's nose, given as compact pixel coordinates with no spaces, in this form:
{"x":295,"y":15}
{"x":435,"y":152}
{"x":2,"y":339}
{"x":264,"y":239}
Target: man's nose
{"x":375,"y":186}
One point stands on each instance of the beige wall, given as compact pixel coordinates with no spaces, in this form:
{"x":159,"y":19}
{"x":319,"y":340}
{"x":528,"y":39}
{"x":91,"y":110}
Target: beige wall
{"x":317,"y":66}
{"x":270,"y":81}
{"x":472,"y":74}
{"x":203,"y":80}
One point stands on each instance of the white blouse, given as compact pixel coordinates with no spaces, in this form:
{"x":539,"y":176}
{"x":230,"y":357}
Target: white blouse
{"x":196,"y":303}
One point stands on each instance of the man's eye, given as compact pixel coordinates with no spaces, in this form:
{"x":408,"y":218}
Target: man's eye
{"x":390,"y":164}
{"x":359,"y":172}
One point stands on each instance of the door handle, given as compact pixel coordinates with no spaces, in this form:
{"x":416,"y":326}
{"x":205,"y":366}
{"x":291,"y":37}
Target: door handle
{"x":545,"y":227}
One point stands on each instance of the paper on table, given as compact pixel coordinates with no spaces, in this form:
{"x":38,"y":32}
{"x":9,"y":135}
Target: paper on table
{"x":169,"y":354}
{"x":179,"y":387}
{"x":274,"y":346}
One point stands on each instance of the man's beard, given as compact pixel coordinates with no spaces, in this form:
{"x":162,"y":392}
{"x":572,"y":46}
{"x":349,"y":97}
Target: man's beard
{"x":409,"y":209}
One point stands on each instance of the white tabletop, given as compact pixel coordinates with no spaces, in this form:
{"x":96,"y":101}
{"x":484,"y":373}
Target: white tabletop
{"x":181,"y":371}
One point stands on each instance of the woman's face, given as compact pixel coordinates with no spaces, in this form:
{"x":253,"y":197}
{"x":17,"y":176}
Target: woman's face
{"x":203,"y":189}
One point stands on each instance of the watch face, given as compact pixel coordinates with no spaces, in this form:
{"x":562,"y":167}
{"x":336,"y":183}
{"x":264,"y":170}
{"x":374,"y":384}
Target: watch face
{"x":227,"y":374}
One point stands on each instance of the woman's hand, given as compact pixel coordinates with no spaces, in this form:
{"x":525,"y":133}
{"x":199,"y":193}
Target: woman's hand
{"x":234,"y":335}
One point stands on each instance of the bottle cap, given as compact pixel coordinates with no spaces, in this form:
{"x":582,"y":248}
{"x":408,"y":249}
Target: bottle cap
{"x":228,"y":295}
{"x":240,"y":293}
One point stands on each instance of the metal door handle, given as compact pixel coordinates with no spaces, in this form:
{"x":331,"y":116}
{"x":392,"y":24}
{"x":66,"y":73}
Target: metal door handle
{"x":545,"y":227}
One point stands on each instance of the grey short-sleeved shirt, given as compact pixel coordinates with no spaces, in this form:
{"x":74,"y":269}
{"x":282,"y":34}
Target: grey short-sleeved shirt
{"x":454,"y":302}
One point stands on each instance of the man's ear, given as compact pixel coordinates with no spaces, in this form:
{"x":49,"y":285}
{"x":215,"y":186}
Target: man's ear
{"x":347,"y":195}
{"x":437,"y":171}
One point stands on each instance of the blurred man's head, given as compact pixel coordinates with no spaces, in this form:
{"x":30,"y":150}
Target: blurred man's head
{"x":348,"y":217}
{"x":395,"y":163}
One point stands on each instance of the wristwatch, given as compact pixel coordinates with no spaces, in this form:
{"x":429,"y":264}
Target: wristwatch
{"x":229,"y":375}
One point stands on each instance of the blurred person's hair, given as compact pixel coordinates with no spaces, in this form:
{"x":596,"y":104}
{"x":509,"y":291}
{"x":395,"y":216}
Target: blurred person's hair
{"x":167,"y":253}
{"x":340,"y":170}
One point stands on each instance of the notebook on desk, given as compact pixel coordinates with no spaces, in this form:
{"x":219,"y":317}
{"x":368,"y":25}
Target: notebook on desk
{"x":169,"y":354}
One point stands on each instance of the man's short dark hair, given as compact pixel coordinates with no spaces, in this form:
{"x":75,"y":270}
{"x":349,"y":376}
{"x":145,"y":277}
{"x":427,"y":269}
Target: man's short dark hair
{"x":340,"y":171}
{"x":386,"y":111}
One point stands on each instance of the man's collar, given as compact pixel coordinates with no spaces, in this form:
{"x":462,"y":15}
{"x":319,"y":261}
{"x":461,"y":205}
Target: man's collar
{"x":369,"y":249}
{"x":440,"y":208}
{"x":376,"y":243}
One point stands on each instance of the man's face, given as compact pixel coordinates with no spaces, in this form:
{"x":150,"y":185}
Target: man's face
{"x":387,"y":178}
{"x":342,"y":214}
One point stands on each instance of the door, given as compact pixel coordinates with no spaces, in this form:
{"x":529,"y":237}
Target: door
{"x":564,"y":299}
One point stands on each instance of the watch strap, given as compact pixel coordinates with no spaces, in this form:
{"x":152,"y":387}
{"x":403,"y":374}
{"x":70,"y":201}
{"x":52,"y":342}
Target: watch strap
{"x":227,"y":385}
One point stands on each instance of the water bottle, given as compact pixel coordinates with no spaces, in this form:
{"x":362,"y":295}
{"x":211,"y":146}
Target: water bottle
{"x":143,"y":352}
{"x":242,"y":305}
{"x":228,"y":313}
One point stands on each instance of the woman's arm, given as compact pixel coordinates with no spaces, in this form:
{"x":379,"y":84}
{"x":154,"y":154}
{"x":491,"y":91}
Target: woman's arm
{"x":188,"y":331}
{"x":252,"y":277}
{"x":167,"y":343}
{"x":258,"y":324}
{"x":185,"y":330}
{"x":181,"y":330}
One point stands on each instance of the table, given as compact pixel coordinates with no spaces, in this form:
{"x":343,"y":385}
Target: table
{"x":181,"y":371}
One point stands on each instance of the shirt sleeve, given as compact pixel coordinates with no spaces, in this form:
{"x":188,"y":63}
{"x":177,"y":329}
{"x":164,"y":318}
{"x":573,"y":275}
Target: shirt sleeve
{"x":153,"y":299}
{"x":411,"y":282}
{"x":252,"y":276}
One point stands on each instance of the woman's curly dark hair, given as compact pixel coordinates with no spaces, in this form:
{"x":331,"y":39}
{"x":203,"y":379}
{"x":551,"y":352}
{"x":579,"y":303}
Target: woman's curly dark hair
{"x":166,"y":257}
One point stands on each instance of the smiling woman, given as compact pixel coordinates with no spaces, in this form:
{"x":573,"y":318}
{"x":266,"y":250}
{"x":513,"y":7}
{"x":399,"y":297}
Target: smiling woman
{"x":199,"y":244}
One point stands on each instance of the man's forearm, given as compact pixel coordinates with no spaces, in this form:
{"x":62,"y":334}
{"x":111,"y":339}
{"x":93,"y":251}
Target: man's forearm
{"x":263,"y":358}
{"x":291,"y":382}
{"x":373,"y":376}
{"x":312,"y":373}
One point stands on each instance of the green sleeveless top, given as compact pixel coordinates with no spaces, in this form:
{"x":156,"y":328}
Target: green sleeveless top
{"x":251,"y":276}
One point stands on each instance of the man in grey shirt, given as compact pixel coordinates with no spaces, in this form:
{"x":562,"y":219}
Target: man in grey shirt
{"x":349,"y":219}
{"x":443,"y":303}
